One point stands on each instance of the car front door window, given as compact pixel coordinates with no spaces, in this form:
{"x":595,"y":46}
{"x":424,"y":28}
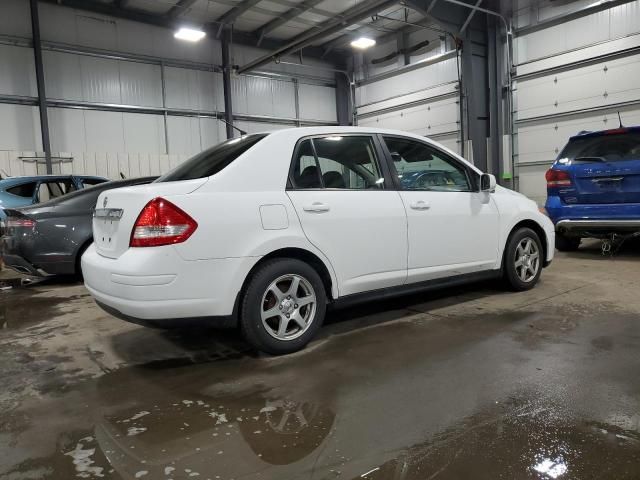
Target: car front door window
{"x":421,"y":167}
{"x":452,"y":228}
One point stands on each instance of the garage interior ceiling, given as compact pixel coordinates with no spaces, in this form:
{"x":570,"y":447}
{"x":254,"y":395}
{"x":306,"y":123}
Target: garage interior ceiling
{"x":267,"y":23}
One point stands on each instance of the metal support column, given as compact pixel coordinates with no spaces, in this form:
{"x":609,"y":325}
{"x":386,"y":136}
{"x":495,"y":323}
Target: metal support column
{"x":296,"y":93}
{"x":164,"y":106}
{"x":42,"y":96}
{"x":343,"y":100}
{"x":226,"y":79}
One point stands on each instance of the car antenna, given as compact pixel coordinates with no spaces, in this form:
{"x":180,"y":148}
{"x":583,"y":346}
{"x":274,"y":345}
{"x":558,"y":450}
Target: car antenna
{"x":620,"y":119}
{"x":242,"y":132}
{"x":122,"y":176}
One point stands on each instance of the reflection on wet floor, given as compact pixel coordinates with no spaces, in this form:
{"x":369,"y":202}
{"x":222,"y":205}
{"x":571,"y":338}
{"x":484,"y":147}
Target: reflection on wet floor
{"x":458,"y":399}
{"x":402,"y":390}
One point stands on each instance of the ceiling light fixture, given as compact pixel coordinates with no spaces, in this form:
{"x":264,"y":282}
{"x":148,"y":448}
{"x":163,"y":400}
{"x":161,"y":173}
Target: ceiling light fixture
{"x":363,"y":43}
{"x":189,"y":34}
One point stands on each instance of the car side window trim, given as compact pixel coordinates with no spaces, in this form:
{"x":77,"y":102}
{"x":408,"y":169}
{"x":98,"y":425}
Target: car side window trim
{"x":469,"y":173}
{"x":380,"y":161}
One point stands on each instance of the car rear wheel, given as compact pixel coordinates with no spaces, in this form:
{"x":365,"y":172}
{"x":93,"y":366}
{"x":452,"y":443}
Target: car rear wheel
{"x":523,"y":260}
{"x":283,"y":306}
{"x":567,"y":244}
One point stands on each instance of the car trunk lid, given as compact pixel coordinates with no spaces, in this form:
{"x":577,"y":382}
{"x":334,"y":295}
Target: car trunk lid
{"x":117,"y":211}
{"x":607,"y":182}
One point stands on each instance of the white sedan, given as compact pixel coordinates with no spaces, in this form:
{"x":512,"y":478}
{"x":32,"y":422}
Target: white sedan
{"x":266,"y":230}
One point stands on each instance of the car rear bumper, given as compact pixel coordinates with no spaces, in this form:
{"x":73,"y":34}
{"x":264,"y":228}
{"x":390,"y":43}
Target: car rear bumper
{"x":597,"y":218}
{"x":598,"y":225}
{"x":155,"y":286}
{"x":20,"y":265}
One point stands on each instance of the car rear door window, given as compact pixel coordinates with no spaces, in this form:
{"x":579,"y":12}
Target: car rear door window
{"x":212,"y":160}
{"x":341,"y":162}
{"x":422,"y":167}
{"x":25,"y":190}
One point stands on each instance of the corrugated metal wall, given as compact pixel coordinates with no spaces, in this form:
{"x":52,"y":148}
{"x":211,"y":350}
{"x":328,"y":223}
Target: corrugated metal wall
{"x":571,"y":77}
{"x":418,"y":99}
{"x":127,"y":97}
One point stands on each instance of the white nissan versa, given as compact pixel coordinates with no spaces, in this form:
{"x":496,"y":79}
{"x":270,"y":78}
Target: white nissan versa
{"x":264,"y":231}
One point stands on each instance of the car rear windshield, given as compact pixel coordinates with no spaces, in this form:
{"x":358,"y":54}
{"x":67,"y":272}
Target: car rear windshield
{"x":605,"y":148}
{"x":212,"y":160}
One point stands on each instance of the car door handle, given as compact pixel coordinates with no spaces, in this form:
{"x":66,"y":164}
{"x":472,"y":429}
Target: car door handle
{"x":316,"y":207}
{"x":420,"y":205}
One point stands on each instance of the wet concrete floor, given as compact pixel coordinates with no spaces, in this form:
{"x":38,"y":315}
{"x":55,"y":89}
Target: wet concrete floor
{"x":468,"y":383}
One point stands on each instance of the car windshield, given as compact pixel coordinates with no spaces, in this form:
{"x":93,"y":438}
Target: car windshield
{"x":212,"y":160}
{"x":605,"y":148}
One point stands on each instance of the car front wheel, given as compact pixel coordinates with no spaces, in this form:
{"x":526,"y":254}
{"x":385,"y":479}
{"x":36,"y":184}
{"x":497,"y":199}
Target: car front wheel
{"x":523,"y":260}
{"x":283,"y":306}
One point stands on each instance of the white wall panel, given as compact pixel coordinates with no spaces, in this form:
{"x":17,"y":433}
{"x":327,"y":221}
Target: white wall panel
{"x":191,"y":89}
{"x":239,"y":94}
{"x":67,"y":131}
{"x":63,"y":78}
{"x":616,"y":22}
{"x":212,"y":132}
{"x":20,"y":128}
{"x":184,"y":135}
{"x":317,"y":102}
{"x":15,"y":18}
{"x":100,"y":80}
{"x":415,"y":80}
{"x":143,"y":133}
{"x":284,"y":99}
{"x":434,"y":118}
{"x":596,"y":85}
{"x":11,"y":164}
{"x":140,"y":84}
{"x":259,"y":96}
{"x":104,"y":131}
{"x":17,"y":71}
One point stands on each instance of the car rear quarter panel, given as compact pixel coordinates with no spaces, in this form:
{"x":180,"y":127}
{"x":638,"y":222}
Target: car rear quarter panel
{"x":230,"y":225}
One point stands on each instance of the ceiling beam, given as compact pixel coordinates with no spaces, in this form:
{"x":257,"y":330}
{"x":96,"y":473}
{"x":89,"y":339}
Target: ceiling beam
{"x":179,"y":8}
{"x":231,"y":15}
{"x":284,"y":18}
{"x":470,"y":17}
{"x":323,"y":30}
{"x":135,"y":15}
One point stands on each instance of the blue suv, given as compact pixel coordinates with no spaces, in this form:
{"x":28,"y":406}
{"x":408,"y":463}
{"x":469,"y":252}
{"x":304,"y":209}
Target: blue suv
{"x":593,"y":188}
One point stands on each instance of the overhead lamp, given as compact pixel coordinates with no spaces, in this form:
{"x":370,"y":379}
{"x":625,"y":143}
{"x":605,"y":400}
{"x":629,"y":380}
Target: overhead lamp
{"x":363,"y":43}
{"x":189,"y":34}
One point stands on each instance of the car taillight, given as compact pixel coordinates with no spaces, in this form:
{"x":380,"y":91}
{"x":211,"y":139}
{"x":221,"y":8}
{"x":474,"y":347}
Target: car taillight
{"x":161,"y":223}
{"x":557,"y":178}
{"x":20,"y":223}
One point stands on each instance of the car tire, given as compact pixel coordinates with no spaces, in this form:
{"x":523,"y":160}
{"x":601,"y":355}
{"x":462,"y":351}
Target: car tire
{"x":273,"y":318}
{"x":567,"y":244}
{"x":523,"y":260}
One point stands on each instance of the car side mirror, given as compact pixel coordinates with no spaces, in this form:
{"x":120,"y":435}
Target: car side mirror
{"x":487,"y":183}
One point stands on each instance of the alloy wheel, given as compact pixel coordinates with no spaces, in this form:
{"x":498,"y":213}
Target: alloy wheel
{"x":527,"y":259}
{"x":288,"y":307}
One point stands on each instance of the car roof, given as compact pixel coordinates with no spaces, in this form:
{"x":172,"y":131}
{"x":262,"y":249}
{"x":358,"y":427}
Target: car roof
{"x":299,"y":132}
{"x":601,"y":133}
